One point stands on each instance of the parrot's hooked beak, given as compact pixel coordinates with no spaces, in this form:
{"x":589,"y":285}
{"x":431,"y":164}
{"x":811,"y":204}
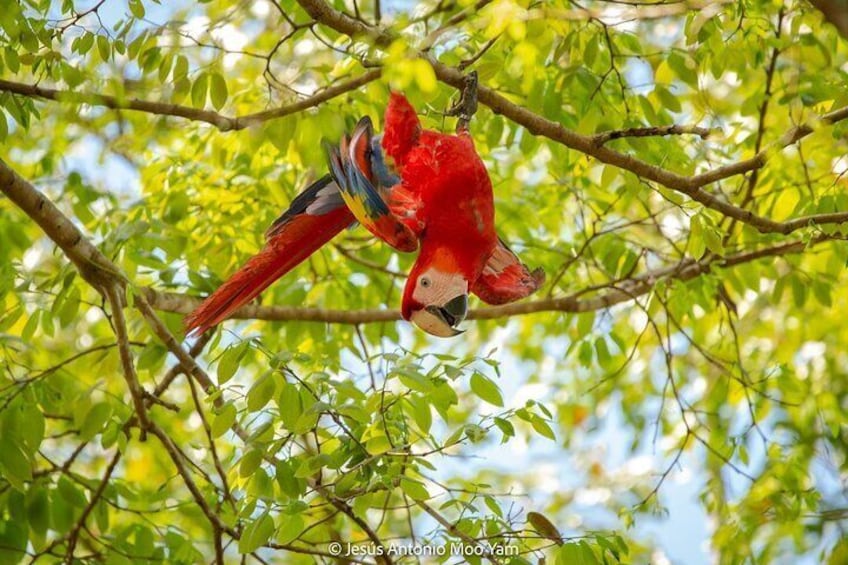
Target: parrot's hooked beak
{"x":441,"y":321}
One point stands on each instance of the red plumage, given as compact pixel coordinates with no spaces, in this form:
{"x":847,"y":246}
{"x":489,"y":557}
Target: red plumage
{"x":401,"y":128}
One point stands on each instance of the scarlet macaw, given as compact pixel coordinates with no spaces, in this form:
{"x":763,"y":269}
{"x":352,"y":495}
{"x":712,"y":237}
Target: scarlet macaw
{"x":409,"y":186}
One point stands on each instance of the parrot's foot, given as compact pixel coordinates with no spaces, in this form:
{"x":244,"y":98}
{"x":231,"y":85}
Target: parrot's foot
{"x":466,"y":106}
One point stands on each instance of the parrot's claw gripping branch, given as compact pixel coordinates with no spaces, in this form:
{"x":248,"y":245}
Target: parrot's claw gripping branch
{"x":466,"y":106}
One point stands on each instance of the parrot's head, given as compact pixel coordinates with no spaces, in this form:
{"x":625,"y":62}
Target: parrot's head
{"x":436,"y":297}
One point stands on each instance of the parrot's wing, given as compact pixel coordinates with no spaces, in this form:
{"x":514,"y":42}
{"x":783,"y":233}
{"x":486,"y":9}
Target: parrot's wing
{"x":314,"y":217}
{"x":320,"y":198}
{"x":505,"y":278}
{"x":371,"y":192}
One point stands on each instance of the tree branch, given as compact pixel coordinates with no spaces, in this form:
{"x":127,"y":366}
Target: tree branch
{"x":655,"y":131}
{"x":615,"y":293}
{"x":180,"y":368}
{"x":188,"y":363}
{"x":223,"y":123}
{"x":92,"y":265}
{"x":177,"y":458}
{"x":836,"y":12}
{"x":73,"y":536}
{"x":114,"y":293}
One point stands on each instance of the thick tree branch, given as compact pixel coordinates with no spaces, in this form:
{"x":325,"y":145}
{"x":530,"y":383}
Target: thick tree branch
{"x":90,"y":262}
{"x":108,"y":278}
{"x":836,"y":12}
{"x":223,"y":123}
{"x":690,"y":186}
{"x":613,"y":293}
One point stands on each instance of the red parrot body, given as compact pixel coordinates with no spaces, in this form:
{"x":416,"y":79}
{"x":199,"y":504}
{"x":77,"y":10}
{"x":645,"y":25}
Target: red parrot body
{"x":438,"y":196}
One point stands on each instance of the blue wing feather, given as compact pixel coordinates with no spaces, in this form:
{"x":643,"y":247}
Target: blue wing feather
{"x":365,"y":182}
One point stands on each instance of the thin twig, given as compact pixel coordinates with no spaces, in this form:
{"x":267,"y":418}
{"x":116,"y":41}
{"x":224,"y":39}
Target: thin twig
{"x":115,"y":296}
{"x":73,"y":536}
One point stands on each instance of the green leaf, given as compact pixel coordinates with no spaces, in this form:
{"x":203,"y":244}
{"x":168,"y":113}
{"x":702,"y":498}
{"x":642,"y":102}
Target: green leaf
{"x":256,"y":534}
{"x":86,"y":42}
{"x":13,"y":541}
{"x":696,"y":243}
{"x":104,"y":48}
{"x":506,"y":427}
{"x":667,"y":99}
{"x":12,"y":59}
{"x":95,"y":420}
{"x":493,"y":505}
{"x":414,"y":489}
{"x":422,"y":413}
{"x":542,"y":427}
{"x":585,"y":323}
{"x":224,"y":420}
{"x":486,"y":389}
{"x":288,"y":483}
{"x":821,"y":291}
{"x":415,"y":381}
{"x":71,"y":492}
{"x":199,"y":89}
{"x":260,"y":393}
{"x":32,"y":432}
{"x":590,"y":52}
{"x":290,"y":404}
{"x":15,"y":464}
{"x":250,"y":462}
{"x":377,"y":445}
{"x":38,"y":510}
{"x":180,"y":67}
{"x":544,"y":527}
{"x":576,"y":553}
{"x":217,"y":90}
{"x":290,"y":528}
{"x":229,"y":362}
{"x":136,"y":8}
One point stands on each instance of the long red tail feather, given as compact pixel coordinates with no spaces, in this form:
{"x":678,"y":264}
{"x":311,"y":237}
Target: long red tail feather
{"x":286,"y":249}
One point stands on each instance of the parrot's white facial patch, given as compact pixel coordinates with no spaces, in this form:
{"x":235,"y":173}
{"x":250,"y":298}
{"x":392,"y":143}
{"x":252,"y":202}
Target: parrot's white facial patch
{"x":435,"y":288}
{"x":444,"y":297}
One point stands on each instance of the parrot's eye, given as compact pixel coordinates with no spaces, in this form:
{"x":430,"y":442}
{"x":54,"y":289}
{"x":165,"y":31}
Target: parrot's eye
{"x":424,"y":282}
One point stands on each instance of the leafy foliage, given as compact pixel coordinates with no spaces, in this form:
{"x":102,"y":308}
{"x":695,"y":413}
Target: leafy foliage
{"x":677,"y":169}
